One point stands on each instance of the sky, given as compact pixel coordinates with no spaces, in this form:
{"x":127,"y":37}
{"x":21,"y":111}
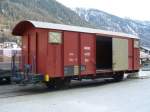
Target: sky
{"x":133,"y":9}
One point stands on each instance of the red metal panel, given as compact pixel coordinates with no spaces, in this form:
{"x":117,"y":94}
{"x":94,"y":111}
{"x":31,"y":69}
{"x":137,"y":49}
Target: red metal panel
{"x":41,"y":52}
{"x":32,"y":50}
{"x":136,"y":58}
{"x":25,"y":48}
{"x":71,"y":48}
{"x":88,"y":55}
{"x":54,"y":58}
{"x":54,"y":66}
{"x":31,"y":46}
{"x":130,"y":54}
{"x":58,"y":60}
{"x":71,"y":53}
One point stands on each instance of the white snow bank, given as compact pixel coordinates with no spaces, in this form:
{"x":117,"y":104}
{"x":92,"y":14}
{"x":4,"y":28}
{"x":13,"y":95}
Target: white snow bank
{"x":144,"y":74}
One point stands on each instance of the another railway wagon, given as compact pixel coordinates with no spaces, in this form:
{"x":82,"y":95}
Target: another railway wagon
{"x":56,"y":53}
{"x":5,"y":63}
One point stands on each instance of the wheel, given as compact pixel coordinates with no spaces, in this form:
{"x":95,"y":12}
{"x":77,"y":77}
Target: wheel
{"x":62,"y":83}
{"x":58,"y":83}
{"x":49,"y":85}
{"x":118,"y":77}
{"x":5,"y":80}
{"x":8,"y":80}
{"x":1,"y":80}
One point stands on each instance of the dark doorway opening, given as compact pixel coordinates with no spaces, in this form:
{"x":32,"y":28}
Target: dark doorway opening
{"x":103,"y":52}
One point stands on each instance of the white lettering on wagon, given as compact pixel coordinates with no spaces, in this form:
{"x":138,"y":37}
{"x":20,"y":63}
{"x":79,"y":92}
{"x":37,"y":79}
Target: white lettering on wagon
{"x":87,"y":48}
{"x":71,"y":54}
{"x":71,"y":59}
{"x":86,"y":60}
{"x":87,"y":54}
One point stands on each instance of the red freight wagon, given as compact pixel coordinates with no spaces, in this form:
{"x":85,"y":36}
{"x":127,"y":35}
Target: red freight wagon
{"x":56,"y":53}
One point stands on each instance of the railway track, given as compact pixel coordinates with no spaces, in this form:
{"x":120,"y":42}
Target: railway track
{"x":7,"y":95}
{"x":7,"y":91}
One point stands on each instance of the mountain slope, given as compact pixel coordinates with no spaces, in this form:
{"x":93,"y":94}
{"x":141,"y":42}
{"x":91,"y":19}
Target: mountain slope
{"x":107,"y":21}
{"x":12,"y":11}
{"x":44,"y":10}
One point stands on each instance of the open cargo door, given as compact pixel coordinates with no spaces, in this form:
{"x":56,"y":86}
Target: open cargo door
{"x":120,"y":54}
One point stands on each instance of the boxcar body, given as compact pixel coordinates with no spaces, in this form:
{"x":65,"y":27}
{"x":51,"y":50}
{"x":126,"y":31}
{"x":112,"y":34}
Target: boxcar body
{"x":55,"y":51}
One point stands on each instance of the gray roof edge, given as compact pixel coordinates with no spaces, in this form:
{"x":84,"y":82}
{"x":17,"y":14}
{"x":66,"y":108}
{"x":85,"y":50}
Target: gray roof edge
{"x":47,"y":25}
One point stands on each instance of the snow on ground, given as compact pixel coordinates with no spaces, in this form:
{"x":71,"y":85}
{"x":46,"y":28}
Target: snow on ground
{"x":144,"y":74}
{"x":126,"y":96}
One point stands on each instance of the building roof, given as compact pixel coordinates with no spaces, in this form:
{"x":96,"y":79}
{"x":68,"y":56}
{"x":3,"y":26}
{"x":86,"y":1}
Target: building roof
{"x":146,"y":48}
{"x":21,"y":26}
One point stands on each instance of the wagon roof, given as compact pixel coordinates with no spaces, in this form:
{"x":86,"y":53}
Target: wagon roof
{"x":23,"y":25}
